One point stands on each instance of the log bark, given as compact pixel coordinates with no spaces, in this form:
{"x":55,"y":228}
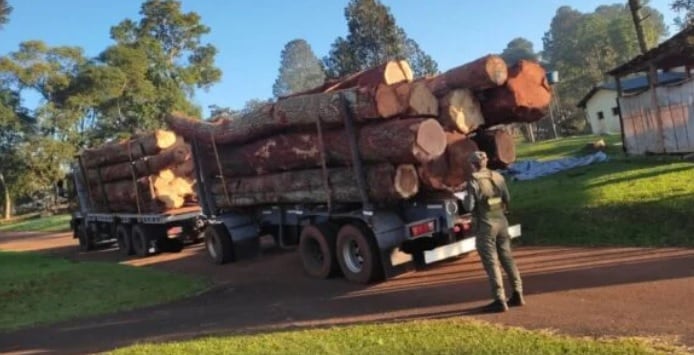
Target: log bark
{"x":484,"y":73}
{"x":123,"y":151}
{"x":385,"y":182}
{"x":524,"y":98}
{"x":366,"y":103}
{"x":451,"y":170}
{"x":388,"y":73}
{"x":499,"y":146}
{"x":145,"y":166}
{"x":406,"y":141}
{"x":460,"y":111}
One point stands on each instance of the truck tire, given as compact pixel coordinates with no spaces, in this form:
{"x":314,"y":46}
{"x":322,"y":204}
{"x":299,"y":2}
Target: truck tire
{"x":141,"y":240}
{"x":358,"y":255}
{"x":218,"y":244}
{"x":124,"y":239}
{"x":84,"y":237}
{"x":317,"y":246}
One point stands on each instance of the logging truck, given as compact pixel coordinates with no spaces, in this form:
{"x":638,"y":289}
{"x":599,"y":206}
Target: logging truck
{"x":142,"y":234}
{"x":365,"y":240}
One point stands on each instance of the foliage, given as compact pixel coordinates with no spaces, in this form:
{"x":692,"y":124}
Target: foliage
{"x":636,"y":201}
{"x":686,"y":7}
{"x":154,"y":68}
{"x":5,"y":11}
{"x":300,"y":69}
{"x":42,"y":289}
{"x":442,"y":336}
{"x":374,"y":38}
{"x":583,"y":46}
{"x":518,"y":49}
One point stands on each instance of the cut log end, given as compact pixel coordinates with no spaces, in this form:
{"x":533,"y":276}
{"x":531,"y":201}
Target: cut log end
{"x":397,"y":72}
{"x":387,"y":102}
{"x":406,"y":181}
{"x":422,"y":101}
{"x":165,"y":139}
{"x":461,"y":111}
{"x":430,"y":141}
{"x":496,"y":70}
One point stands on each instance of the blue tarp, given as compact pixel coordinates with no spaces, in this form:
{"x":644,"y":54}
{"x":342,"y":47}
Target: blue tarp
{"x":533,"y":169}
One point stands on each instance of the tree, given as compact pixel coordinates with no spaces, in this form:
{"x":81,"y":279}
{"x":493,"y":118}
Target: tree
{"x":158,"y":61}
{"x":300,"y":69}
{"x":583,"y":46}
{"x":517,"y":49}
{"x":15,"y":124}
{"x":374,"y":38}
{"x":687,"y":8}
{"x":5,"y":10}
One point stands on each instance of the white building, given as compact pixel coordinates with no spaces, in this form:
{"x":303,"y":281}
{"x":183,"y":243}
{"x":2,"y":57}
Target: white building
{"x":600,"y":104}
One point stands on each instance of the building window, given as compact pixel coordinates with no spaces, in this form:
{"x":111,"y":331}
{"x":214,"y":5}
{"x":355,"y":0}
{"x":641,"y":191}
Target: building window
{"x":600,"y":115}
{"x":615,"y":111}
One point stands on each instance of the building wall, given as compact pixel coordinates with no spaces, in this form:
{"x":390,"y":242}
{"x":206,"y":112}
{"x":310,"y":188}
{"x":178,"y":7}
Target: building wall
{"x":605,"y":102}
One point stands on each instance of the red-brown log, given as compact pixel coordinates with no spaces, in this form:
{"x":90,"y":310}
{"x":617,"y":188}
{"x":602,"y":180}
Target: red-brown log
{"x":499,"y":146}
{"x":451,"y":170}
{"x":460,"y":111}
{"x":385,"y":183}
{"x":524,"y":98}
{"x":406,"y":141}
{"x":145,"y":166}
{"x":484,"y":73}
{"x":122,"y":151}
{"x":388,"y":73}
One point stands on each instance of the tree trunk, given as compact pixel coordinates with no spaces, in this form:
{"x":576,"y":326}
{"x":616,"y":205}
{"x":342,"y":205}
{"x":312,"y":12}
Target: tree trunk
{"x":145,"y":166}
{"x":451,"y":170}
{"x":499,"y":146}
{"x":7,"y":213}
{"x":385,"y":183}
{"x":406,"y":141}
{"x":525,"y":97}
{"x":460,"y":110}
{"x":154,"y":193}
{"x":124,"y":151}
{"x":388,"y":73}
{"x":484,"y":73}
{"x":366,"y":103}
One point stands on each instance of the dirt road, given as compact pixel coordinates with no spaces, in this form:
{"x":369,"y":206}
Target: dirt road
{"x":580,"y":291}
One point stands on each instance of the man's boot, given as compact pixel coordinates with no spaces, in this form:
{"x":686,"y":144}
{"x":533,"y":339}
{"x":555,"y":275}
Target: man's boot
{"x":497,"y":306}
{"x":516,"y":300}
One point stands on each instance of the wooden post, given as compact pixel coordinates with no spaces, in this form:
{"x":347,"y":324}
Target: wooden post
{"x":619,"y":108}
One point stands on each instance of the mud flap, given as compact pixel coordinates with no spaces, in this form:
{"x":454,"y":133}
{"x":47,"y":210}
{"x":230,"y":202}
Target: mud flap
{"x":396,"y":262}
{"x":245,"y":241}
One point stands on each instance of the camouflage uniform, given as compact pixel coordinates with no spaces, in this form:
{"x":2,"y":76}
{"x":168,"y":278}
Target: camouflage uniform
{"x":489,"y":196}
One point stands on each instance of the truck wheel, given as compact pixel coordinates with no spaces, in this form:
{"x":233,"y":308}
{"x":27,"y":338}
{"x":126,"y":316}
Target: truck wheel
{"x":358,"y":255}
{"x":141,"y":240}
{"x":124,"y":238}
{"x":218,"y":244}
{"x":317,"y":246}
{"x":84,"y":237}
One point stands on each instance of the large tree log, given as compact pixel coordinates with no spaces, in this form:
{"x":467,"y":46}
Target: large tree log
{"x":451,"y":170}
{"x":524,"y":98}
{"x":123,"y":151}
{"x":460,"y":111}
{"x":499,"y":146}
{"x":159,"y":192}
{"x":484,"y":73}
{"x":388,"y":73}
{"x":407,"y":141}
{"x":385,"y":183}
{"x":145,"y":166}
{"x":366,"y":103}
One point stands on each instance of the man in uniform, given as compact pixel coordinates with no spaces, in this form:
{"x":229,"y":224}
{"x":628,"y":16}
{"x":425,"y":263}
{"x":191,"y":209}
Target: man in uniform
{"x":488,"y":198}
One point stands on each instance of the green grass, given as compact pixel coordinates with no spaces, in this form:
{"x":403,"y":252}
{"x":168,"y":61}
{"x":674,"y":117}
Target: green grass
{"x":56,"y":223}
{"x":453,"y":336}
{"x":564,"y":147}
{"x":37,"y":289}
{"x":627,"y":201}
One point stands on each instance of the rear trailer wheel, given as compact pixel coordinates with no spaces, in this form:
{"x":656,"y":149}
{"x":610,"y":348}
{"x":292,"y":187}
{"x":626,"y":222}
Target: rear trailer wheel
{"x":358,"y":255}
{"x":218,"y":244}
{"x":124,"y":239}
{"x":317,"y":245}
{"x":142,"y":241}
{"x":84,"y":237}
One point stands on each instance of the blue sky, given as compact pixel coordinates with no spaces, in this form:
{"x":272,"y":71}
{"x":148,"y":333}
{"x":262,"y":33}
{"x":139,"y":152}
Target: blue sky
{"x":250,"y":34}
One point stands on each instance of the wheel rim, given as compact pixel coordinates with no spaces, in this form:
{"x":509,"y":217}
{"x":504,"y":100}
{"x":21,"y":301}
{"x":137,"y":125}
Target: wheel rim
{"x":212,"y":247}
{"x":351,"y":254}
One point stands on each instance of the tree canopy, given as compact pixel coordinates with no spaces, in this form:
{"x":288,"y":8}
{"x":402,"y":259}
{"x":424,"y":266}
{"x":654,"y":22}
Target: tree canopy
{"x":5,"y":10}
{"x":517,"y":49}
{"x":300,"y":69}
{"x":686,"y":10}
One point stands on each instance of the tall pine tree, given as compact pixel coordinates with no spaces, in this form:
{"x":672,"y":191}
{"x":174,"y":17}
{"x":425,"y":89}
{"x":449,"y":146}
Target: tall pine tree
{"x":299,"y":70}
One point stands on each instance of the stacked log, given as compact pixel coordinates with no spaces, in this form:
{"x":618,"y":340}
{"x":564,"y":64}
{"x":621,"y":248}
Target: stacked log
{"x":149,"y":173}
{"x":410,"y":135}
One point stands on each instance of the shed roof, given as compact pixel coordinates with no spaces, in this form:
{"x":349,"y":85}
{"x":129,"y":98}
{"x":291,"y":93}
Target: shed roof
{"x":633,"y":84}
